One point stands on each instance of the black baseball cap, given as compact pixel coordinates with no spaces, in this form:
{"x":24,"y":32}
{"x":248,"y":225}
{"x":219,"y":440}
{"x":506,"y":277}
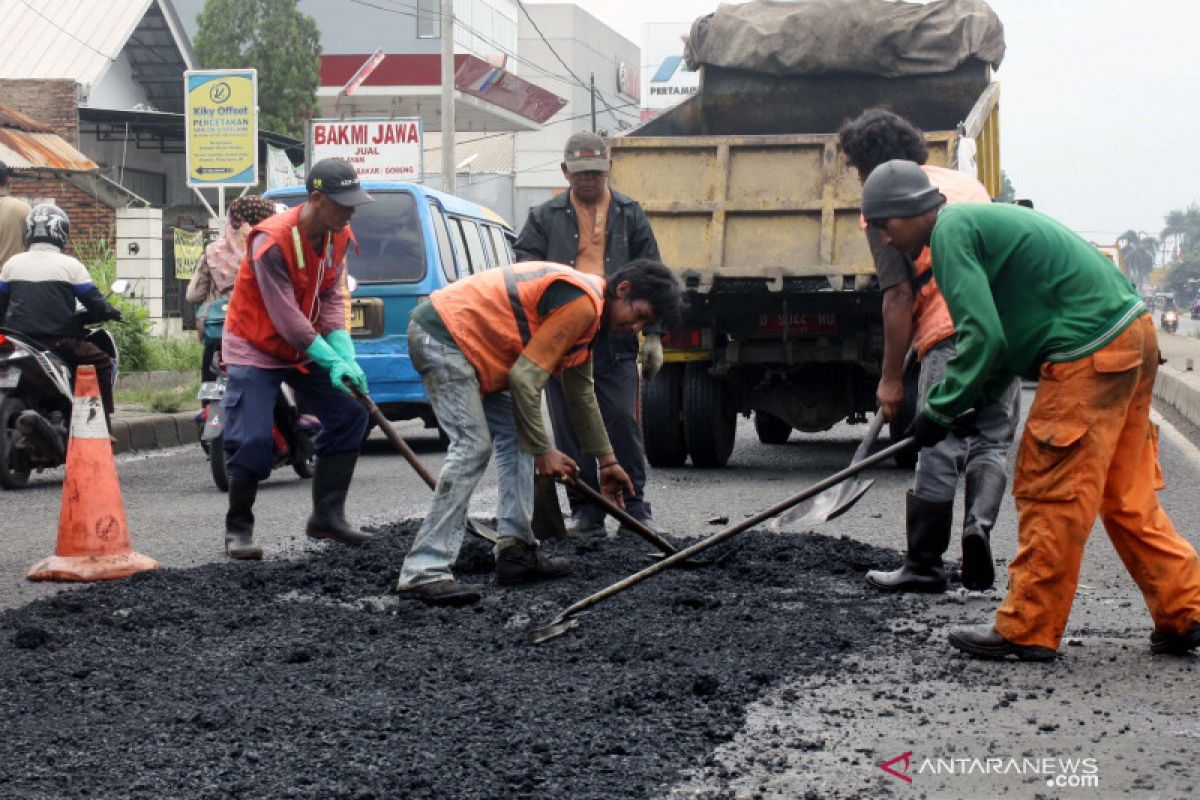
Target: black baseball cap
{"x":338,"y":180}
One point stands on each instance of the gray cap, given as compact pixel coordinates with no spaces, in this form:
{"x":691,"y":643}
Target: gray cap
{"x":898,"y":189}
{"x":586,"y":152}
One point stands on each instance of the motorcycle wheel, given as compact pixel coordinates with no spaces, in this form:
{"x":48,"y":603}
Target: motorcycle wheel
{"x":14,"y":464}
{"x":216,"y":462}
{"x":304,"y":458}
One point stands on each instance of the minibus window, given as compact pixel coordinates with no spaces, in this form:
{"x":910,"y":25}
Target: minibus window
{"x":391,"y":248}
{"x":488,"y":249}
{"x":460,"y":248}
{"x":445,"y":251}
{"x":474,"y":245}
{"x":503,"y":256}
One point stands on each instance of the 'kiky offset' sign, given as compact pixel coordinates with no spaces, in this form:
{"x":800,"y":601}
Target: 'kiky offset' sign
{"x":379,"y":149}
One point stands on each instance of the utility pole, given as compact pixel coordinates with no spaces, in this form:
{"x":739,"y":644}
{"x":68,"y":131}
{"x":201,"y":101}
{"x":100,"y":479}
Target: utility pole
{"x":593,"y":93}
{"x":448,"y":126}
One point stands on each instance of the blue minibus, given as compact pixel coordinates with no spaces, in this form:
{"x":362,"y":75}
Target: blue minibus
{"x":411,"y":241}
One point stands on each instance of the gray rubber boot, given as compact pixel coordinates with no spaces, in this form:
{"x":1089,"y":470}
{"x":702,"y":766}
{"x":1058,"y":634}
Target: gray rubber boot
{"x":928,"y":533}
{"x":985,"y":485}
{"x":239,"y":521}
{"x":330,"y":485}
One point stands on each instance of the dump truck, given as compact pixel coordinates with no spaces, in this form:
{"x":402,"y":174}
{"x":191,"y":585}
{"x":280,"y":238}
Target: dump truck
{"x":754,"y":207}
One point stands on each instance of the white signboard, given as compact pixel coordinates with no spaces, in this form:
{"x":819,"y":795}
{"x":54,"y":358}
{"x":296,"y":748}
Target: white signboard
{"x":380,"y":149}
{"x":665,"y":78}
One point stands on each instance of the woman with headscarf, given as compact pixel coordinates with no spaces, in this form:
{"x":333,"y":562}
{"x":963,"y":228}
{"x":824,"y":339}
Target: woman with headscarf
{"x":218,"y":267}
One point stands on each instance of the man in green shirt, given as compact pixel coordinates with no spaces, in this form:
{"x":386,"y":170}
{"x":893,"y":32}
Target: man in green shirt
{"x":1031,"y":298}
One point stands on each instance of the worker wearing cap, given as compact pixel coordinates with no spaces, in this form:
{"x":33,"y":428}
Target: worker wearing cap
{"x":915,"y":316}
{"x":286,"y":322}
{"x":597,"y":231}
{"x":1031,"y":298}
{"x":485,"y":346}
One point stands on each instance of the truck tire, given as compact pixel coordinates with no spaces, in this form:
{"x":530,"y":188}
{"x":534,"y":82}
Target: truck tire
{"x":771,"y":429}
{"x":709,"y":420}
{"x":907,"y":458}
{"x":662,"y":418}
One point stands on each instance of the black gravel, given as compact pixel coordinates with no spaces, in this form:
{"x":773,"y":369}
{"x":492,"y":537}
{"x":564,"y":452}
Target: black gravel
{"x":306,"y":679}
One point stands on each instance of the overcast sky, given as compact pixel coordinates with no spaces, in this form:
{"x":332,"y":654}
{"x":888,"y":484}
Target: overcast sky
{"x":1100,"y":113}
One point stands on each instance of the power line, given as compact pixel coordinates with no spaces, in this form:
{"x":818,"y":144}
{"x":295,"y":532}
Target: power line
{"x":61,"y":29}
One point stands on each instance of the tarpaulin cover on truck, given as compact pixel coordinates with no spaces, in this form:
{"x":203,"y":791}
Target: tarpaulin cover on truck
{"x":856,"y":37}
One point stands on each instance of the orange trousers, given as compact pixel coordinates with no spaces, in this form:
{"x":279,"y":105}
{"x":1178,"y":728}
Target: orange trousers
{"x":1089,"y":448}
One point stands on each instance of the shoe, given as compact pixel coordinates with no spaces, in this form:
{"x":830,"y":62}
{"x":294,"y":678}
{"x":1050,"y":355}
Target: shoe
{"x":984,"y":493}
{"x":446,"y":592}
{"x":585,"y":524}
{"x":983,"y":642}
{"x":909,"y":578}
{"x":927,"y":532}
{"x":330,"y":484}
{"x":518,"y":562}
{"x":1175,"y":644}
{"x":239,"y":521}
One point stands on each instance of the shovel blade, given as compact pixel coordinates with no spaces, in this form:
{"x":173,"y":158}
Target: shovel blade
{"x":827,"y":505}
{"x":553,"y":630}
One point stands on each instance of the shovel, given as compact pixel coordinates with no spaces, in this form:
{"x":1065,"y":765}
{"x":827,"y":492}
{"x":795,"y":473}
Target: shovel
{"x":482,"y":531}
{"x":834,"y":502}
{"x":567,"y":620}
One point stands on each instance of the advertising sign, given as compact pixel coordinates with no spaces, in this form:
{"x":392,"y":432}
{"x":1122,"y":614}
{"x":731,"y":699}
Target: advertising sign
{"x":629,"y":82}
{"x":222,"y":127}
{"x":665,"y":78}
{"x":380,"y":149}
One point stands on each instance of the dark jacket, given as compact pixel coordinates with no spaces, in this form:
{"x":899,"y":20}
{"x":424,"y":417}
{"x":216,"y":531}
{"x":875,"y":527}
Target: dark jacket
{"x":552,"y":234}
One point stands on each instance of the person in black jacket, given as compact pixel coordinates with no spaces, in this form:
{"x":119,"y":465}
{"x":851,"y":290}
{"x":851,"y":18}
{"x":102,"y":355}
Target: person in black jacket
{"x":38,"y":290}
{"x":598,"y":230}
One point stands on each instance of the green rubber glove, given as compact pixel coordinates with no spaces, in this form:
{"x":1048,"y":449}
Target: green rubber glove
{"x":320,"y":352}
{"x":343,"y":345}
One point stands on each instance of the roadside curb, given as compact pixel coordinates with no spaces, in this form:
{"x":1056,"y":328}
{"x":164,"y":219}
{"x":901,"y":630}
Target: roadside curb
{"x":154,"y":431}
{"x":1181,"y":391}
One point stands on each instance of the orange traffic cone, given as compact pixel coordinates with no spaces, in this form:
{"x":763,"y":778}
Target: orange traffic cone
{"x":93,"y":536}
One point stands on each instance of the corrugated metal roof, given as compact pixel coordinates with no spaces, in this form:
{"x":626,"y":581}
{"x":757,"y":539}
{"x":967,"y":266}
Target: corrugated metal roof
{"x":82,"y":39}
{"x":476,"y":153}
{"x":27,"y":144}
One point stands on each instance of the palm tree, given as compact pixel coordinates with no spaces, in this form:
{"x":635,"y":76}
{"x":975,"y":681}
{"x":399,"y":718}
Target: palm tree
{"x":1139,"y":252}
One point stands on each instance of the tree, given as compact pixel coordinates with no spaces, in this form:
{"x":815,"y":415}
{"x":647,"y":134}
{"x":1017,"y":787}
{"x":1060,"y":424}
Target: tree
{"x":1185,"y":227}
{"x":1139,"y":252}
{"x":1007,"y":193}
{"x":273,"y":37}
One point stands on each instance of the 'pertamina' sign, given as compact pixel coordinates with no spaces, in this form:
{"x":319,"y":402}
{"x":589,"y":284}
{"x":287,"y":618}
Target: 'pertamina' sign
{"x":380,"y":149}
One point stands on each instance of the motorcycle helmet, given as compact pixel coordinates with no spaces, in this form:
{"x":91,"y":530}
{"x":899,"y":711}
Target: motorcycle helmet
{"x":48,"y":223}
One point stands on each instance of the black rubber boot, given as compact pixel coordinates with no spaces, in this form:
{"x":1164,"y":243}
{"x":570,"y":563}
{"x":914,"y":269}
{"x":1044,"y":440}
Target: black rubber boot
{"x":985,"y":484}
{"x":239,"y":521}
{"x":330,"y":484}
{"x":928,"y":531}
{"x":518,"y":562}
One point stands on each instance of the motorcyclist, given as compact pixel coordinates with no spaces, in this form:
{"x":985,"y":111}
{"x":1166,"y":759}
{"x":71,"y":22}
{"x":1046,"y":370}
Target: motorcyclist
{"x":38,"y":290}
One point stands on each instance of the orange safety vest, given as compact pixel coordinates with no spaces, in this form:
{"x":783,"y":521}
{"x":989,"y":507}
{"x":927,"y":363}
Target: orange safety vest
{"x":312,"y":275}
{"x":493,"y":315}
{"x":931,"y":318}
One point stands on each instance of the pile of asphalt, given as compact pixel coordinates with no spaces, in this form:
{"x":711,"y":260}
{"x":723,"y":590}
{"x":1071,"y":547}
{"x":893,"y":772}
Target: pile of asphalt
{"x":307,"y":679}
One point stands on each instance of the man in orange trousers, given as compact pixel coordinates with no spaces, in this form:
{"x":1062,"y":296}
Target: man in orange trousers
{"x":1030,"y":297}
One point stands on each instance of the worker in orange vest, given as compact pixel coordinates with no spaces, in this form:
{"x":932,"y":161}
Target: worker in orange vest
{"x":485,"y":348}
{"x":286,"y":322}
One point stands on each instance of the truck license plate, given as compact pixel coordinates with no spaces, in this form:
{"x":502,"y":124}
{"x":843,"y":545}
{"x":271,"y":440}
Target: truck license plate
{"x":358,"y":318}
{"x":798,"y":323}
{"x":10,"y":377}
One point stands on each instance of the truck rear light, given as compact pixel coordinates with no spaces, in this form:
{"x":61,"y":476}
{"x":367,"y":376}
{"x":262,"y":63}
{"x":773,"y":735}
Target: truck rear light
{"x":683,"y":338}
{"x":5,"y":345}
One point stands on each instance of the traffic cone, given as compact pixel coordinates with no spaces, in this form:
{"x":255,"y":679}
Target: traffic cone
{"x":93,"y":536}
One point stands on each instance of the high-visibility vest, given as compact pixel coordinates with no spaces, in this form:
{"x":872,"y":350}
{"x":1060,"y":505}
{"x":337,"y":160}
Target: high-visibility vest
{"x":492,"y":316}
{"x":312,"y":274}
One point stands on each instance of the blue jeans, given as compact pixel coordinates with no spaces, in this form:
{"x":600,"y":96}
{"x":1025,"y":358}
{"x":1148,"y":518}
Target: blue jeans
{"x":938,"y":467}
{"x":249,"y":404}
{"x":472,"y":422}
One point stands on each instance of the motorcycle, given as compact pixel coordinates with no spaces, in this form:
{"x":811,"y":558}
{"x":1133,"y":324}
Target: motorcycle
{"x":36,"y":399}
{"x":292,"y":433}
{"x":1169,"y":320}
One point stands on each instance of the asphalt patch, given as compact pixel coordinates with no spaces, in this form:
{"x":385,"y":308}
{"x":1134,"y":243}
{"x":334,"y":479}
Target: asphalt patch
{"x":308,"y":679}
